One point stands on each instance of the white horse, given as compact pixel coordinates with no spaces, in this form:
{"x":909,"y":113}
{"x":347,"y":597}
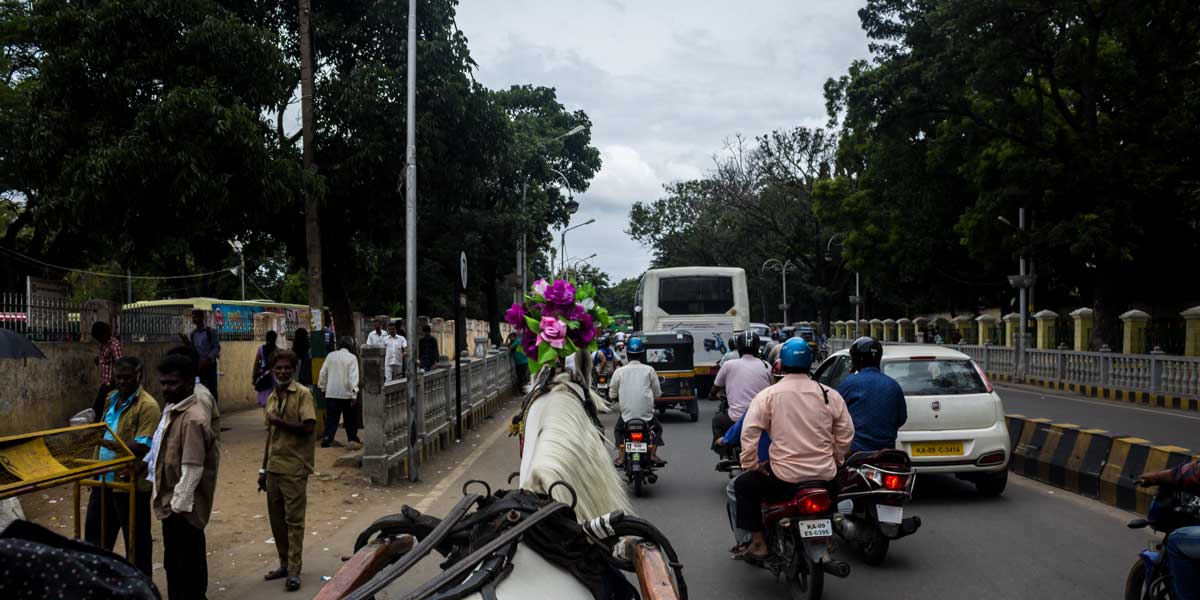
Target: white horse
{"x":562,"y":444}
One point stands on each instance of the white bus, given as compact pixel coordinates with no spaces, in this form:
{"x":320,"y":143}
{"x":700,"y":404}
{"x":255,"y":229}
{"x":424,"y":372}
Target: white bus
{"x":709,"y":302}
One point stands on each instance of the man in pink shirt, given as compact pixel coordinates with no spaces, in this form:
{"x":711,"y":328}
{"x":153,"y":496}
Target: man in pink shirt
{"x":810,"y":430}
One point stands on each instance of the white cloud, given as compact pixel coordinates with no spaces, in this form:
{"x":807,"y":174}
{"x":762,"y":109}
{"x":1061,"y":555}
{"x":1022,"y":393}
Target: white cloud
{"x":664,"y":83}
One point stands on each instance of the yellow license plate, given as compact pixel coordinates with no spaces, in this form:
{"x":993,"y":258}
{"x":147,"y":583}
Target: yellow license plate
{"x":937,"y":449}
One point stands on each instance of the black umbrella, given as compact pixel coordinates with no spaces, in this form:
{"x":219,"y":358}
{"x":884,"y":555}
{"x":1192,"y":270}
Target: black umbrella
{"x":15,"y":345}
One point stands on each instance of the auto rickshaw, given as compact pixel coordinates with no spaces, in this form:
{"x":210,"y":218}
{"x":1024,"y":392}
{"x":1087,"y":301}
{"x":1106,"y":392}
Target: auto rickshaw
{"x":671,"y":355}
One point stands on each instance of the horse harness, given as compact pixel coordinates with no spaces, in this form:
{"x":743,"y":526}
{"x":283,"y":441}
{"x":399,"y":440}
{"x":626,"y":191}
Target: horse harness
{"x":479,"y":546}
{"x":545,"y":384}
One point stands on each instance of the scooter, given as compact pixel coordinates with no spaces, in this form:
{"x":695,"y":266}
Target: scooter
{"x":639,"y":443}
{"x":874,"y":487}
{"x":799,"y":533}
{"x":1150,"y":576}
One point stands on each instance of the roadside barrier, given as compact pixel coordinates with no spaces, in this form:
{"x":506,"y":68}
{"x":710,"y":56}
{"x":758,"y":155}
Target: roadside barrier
{"x":1089,"y":462}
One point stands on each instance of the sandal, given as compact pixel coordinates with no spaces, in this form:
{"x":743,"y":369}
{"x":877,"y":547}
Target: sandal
{"x":293,"y":583}
{"x":279,"y":573}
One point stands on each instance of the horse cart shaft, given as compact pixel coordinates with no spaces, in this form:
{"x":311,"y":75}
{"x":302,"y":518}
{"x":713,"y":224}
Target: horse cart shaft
{"x":364,"y":565}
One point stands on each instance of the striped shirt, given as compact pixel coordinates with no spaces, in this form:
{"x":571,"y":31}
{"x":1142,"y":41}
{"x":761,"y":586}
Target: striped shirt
{"x":110,"y":351}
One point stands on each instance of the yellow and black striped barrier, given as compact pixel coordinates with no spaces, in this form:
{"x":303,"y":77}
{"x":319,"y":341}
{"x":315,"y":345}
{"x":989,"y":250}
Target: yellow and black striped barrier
{"x":1089,"y":462}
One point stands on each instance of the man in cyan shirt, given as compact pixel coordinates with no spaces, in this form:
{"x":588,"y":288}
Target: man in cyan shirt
{"x":635,"y":386}
{"x":810,"y":431}
{"x":875,"y":401}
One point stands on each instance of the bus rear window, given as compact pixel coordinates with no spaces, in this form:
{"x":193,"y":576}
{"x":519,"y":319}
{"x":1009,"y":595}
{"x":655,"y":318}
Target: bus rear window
{"x":695,"y":295}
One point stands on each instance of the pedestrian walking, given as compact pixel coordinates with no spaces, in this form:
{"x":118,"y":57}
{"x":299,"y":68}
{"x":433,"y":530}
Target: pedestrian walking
{"x":376,"y":336}
{"x":395,"y":344}
{"x":520,"y":361}
{"x":133,"y":415}
{"x":263,"y":384}
{"x":109,"y":351}
{"x":427,"y":349}
{"x":183,"y":458}
{"x":291,"y":436}
{"x":208,"y":348}
{"x":329,"y":335}
{"x":203,"y":395}
{"x":303,"y":352}
{"x":339,"y":382}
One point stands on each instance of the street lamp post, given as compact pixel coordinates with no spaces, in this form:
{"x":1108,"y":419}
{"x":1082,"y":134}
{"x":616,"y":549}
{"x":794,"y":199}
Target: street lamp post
{"x":410,"y":231}
{"x":774,"y":264}
{"x":237,"y":247}
{"x":856,"y":299}
{"x":575,"y":262}
{"x":1022,"y":281}
{"x":563,"y":242}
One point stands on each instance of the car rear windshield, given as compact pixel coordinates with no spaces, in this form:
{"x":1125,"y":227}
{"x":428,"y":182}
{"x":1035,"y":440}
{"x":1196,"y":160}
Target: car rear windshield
{"x":695,"y":295}
{"x":923,"y":377}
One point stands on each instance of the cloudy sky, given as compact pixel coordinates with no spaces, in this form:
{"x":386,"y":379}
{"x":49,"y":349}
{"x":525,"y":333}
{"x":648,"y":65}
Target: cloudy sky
{"x":664,"y":82}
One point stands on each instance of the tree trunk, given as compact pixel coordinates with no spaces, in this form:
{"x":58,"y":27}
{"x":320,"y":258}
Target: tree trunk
{"x":492,"y":302}
{"x":1106,"y":327}
{"x":312,"y":219}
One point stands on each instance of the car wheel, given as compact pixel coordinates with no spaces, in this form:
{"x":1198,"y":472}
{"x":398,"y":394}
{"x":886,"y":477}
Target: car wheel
{"x":992,"y":484}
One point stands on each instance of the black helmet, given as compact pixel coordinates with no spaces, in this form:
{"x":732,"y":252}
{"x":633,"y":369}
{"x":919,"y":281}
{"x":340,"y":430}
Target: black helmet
{"x":746,"y":342}
{"x":865,"y":352}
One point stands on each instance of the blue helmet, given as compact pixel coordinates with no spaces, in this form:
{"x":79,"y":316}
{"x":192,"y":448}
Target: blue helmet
{"x":795,"y":355}
{"x":635,"y":346}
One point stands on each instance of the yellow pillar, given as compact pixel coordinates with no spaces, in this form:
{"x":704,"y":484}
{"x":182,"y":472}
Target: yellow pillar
{"x":986,"y":325}
{"x":904,"y":330}
{"x":1010,"y":329}
{"x":962,"y":324}
{"x":864,"y":328}
{"x":1045,"y":329}
{"x":839,"y":328}
{"x":889,"y":330}
{"x":920,"y":325}
{"x":1191,"y":343}
{"x":876,"y":329}
{"x":1084,"y":318}
{"x":1133,"y":332}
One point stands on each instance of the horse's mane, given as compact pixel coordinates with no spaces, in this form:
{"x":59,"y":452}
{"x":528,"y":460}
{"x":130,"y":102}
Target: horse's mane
{"x":567,"y":447}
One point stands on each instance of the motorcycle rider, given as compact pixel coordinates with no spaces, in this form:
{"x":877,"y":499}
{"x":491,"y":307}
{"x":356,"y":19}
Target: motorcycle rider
{"x":875,"y":401}
{"x":741,"y":380}
{"x":1183,"y":544}
{"x":635,"y":386}
{"x":810,"y":431}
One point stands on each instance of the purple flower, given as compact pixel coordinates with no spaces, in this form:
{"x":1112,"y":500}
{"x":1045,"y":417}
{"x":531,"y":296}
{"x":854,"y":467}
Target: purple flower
{"x":515,"y":316}
{"x":561,"y":292}
{"x":529,"y":344}
{"x":554,"y":332}
{"x":586,"y":332}
{"x":576,"y":312}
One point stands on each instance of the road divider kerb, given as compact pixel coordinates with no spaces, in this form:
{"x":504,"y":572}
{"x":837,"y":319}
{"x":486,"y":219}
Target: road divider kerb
{"x":1096,"y":391}
{"x":1089,"y":462}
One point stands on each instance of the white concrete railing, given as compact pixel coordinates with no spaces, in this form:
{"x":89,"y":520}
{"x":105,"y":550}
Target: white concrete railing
{"x":1153,"y":373}
{"x":389,"y":434}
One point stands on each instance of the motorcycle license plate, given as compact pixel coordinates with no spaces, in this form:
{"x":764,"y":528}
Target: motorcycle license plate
{"x":889,"y":514}
{"x":635,"y":446}
{"x":815,"y":529}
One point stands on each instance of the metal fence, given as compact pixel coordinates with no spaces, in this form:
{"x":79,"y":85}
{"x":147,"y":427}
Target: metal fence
{"x":1152,"y":373}
{"x":393,"y":432}
{"x":45,"y":318}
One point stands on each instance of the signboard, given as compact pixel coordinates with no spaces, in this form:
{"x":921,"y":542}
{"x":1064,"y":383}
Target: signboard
{"x":237,"y":319}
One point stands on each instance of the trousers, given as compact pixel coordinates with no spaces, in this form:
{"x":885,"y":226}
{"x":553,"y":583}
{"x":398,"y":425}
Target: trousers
{"x":116,"y":506}
{"x":751,"y":488}
{"x":338,"y":409}
{"x":287,"y":501}
{"x":184,"y":559}
{"x":1183,"y":558}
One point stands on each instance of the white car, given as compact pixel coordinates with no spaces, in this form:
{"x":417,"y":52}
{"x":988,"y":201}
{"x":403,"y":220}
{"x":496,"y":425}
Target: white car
{"x":955,"y":419}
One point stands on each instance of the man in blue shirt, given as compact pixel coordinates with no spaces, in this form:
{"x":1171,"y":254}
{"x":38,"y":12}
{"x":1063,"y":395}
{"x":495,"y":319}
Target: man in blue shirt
{"x":875,"y":401}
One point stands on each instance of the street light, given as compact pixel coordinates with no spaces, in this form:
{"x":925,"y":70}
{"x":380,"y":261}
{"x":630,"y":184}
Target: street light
{"x":773,"y":264}
{"x":237,"y":247}
{"x":1022,"y":281}
{"x":572,"y":208}
{"x":563,"y":242}
{"x":856,"y":299}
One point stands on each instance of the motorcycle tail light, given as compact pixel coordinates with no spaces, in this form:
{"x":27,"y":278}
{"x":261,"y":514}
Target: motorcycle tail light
{"x":637,"y":436}
{"x":894,"y":482}
{"x":812,"y":501}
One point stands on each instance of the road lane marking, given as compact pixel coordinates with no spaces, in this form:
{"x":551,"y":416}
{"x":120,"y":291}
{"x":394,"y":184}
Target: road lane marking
{"x":1166,"y":413}
{"x":443,"y":486}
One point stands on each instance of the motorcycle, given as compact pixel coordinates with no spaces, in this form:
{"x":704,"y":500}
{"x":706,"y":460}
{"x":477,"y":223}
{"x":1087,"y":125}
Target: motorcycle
{"x":730,"y":460}
{"x":639,"y":469}
{"x":874,"y":487}
{"x":600,"y":382}
{"x":799,"y":533}
{"x":1150,"y":576}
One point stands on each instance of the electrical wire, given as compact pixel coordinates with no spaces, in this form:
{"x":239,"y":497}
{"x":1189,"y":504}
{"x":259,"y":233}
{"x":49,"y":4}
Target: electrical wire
{"x":113,"y":275}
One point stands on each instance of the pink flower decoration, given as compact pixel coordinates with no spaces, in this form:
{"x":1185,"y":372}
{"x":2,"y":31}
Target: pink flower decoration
{"x":554,"y":332}
{"x":515,"y":316}
{"x":540,"y":286}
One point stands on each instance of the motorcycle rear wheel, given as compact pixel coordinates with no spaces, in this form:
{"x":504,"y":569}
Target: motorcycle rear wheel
{"x":637,"y":485}
{"x":806,"y":580}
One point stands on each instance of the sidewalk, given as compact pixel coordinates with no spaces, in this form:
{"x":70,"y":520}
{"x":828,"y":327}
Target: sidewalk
{"x":341,"y":503}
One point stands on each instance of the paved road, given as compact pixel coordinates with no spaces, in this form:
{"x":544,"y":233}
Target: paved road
{"x":1034,"y":542}
{"x":1159,"y":425}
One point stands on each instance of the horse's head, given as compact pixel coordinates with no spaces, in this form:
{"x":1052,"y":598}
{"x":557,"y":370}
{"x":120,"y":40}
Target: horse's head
{"x":562,"y":443}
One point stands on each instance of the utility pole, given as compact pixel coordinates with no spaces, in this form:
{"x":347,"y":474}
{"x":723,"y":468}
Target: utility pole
{"x":312,"y":217}
{"x":410,"y":230}
{"x":1024,"y":292}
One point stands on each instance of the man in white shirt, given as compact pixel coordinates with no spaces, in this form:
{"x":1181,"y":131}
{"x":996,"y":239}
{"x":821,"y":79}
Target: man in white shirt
{"x":635,"y":386}
{"x":339,"y":381}
{"x":393,"y":357}
{"x":375,"y":338}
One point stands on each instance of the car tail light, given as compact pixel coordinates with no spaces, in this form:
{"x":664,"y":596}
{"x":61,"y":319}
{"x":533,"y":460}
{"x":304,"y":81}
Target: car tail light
{"x":811,"y":501}
{"x":991,"y":458}
{"x":986,"y":382}
{"x":637,"y":436}
{"x":894,"y":482}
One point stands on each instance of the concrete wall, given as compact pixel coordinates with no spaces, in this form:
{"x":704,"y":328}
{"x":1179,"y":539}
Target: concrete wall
{"x":43,"y":394}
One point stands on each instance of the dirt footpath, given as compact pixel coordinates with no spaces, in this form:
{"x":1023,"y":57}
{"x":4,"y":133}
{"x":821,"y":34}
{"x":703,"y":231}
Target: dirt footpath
{"x":341,"y":502}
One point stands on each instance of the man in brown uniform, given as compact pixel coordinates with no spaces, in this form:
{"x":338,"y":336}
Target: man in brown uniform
{"x":292,"y":419}
{"x":184,"y":458}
